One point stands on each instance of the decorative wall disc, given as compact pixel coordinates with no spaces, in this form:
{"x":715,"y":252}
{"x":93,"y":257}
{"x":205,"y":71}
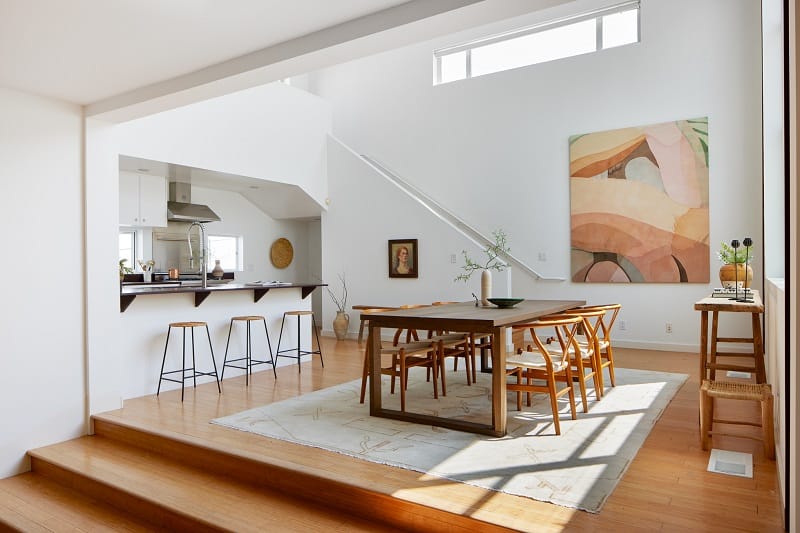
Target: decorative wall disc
{"x":281,"y":253}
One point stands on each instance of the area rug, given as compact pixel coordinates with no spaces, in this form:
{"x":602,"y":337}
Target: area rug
{"x":578,"y":469}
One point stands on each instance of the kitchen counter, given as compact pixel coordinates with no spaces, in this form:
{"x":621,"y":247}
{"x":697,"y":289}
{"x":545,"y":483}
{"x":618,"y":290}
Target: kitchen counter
{"x":129,"y":291}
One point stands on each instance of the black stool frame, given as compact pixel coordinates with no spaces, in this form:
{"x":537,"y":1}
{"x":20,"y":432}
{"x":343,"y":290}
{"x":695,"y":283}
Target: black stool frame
{"x":297,"y":351}
{"x":248,"y":356}
{"x":183,"y":370}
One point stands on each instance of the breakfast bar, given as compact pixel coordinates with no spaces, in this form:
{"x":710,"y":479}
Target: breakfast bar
{"x":128,"y":293}
{"x":152,"y":307}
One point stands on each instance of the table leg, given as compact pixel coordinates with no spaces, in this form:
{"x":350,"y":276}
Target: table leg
{"x":499,"y":407}
{"x":374,"y":349}
{"x":703,"y":344}
{"x":712,"y":355}
{"x":758,"y":349}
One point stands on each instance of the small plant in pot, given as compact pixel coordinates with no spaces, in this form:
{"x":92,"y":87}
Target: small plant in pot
{"x":494,"y":261}
{"x":124,"y":269}
{"x":342,"y":321}
{"x":735,"y":267}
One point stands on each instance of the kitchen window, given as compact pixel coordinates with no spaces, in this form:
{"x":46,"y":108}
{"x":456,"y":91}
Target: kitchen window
{"x":127,"y":248}
{"x":227,"y":249}
{"x":584,"y":33}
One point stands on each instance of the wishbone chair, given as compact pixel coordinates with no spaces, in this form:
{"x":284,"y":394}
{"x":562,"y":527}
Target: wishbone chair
{"x":604,"y":337}
{"x":550,"y":363}
{"x":589,"y":357}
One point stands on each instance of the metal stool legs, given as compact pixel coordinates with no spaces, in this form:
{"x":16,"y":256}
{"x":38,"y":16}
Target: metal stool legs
{"x":297,"y":351}
{"x":184,"y":369}
{"x":249,"y":362}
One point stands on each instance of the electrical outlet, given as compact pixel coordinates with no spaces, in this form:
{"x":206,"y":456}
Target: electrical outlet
{"x":452,"y":258}
{"x":623,"y":326}
{"x":542,"y":256}
{"x":668,"y":327}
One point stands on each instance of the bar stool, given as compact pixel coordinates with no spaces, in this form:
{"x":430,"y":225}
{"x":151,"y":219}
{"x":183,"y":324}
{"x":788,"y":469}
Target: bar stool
{"x":249,"y":362}
{"x":728,"y":390}
{"x":185,"y":369}
{"x":297,"y":351}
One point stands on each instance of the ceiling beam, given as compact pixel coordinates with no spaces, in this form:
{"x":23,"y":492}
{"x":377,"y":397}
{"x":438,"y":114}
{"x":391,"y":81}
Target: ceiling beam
{"x":407,"y":23}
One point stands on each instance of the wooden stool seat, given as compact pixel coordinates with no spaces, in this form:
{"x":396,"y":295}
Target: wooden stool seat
{"x":247,"y":358}
{"x":729,"y":390}
{"x":187,"y":372}
{"x":298,"y":313}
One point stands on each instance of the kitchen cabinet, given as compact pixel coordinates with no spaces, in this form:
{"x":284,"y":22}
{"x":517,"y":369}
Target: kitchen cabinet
{"x":142,"y":200}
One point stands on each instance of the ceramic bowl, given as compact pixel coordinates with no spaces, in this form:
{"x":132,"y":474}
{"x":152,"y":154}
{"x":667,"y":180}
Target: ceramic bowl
{"x":505,"y":303}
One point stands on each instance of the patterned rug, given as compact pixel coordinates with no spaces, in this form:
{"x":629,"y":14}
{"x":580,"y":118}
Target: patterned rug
{"x":577,"y":469}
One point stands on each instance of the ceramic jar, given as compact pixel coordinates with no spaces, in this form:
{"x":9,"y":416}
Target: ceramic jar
{"x":340,"y":325}
{"x":218,"y":272}
{"x":731,"y":273}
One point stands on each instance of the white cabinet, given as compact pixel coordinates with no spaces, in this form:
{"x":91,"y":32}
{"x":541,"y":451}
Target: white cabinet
{"x":142,"y":200}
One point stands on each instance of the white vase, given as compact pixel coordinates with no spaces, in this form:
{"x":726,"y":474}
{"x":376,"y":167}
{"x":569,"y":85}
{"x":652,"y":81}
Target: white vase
{"x":486,"y":287}
{"x":218,"y":272}
{"x":147,"y":276}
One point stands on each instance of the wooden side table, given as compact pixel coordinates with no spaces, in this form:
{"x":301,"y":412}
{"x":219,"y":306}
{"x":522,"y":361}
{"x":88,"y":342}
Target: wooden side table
{"x":708,"y":357}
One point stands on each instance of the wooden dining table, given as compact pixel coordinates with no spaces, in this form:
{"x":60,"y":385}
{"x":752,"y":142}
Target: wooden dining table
{"x":457,"y":317}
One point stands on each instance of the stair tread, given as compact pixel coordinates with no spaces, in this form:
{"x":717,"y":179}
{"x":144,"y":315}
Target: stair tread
{"x":30,"y":502}
{"x":217,"y":500}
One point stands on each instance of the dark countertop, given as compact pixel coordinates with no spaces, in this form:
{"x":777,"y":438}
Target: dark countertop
{"x":129,"y":291}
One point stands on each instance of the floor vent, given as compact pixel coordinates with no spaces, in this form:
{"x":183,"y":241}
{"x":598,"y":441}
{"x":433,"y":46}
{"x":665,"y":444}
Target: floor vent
{"x":735,"y":374}
{"x":731,"y":463}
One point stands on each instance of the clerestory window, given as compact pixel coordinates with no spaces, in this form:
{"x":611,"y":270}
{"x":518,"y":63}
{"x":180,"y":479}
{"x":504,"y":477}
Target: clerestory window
{"x":600,"y":29}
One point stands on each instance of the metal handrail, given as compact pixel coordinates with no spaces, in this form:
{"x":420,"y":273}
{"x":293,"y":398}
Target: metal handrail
{"x":449,"y":217}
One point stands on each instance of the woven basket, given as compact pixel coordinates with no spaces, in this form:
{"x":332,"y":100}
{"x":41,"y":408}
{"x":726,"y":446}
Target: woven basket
{"x":281,"y":253}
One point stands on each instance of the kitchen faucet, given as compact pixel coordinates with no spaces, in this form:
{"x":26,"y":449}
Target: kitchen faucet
{"x":203,"y":251}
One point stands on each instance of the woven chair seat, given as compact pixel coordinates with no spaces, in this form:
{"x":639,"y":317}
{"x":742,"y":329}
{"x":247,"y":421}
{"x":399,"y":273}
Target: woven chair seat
{"x":737,"y":391}
{"x":533,"y":360}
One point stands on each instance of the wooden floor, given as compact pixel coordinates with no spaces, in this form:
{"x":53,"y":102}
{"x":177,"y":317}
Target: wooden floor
{"x":666,"y":488}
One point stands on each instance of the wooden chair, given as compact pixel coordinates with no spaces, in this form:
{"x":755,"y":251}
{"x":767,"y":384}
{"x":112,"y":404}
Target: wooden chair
{"x":758,"y":392}
{"x":457,"y":346}
{"x":549,"y":363}
{"x":589,"y":342}
{"x":403,"y":356}
{"x":606,"y":349}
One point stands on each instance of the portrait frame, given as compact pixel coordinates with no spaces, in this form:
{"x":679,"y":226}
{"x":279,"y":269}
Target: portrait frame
{"x":412,"y":259}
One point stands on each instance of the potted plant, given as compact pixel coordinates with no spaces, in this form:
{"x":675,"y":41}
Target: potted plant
{"x":493,"y":261}
{"x":735,"y":265}
{"x":341,"y":322}
{"x":124,"y":269}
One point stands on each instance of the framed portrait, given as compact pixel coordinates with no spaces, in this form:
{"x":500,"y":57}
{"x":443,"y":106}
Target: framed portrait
{"x":403,"y":258}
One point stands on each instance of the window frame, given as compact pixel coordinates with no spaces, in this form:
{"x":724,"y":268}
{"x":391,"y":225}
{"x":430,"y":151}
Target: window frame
{"x":239,"y":239}
{"x":596,"y":14}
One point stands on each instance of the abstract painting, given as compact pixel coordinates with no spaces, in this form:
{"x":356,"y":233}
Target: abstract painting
{"x":639,"y":204}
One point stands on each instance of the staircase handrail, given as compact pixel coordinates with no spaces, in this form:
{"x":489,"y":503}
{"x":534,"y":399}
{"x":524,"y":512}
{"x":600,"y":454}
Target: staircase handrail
{"x":449,"y":217}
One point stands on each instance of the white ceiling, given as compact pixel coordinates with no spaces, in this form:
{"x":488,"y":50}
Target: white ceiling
{"x":123,"y":59}
{"x":83,"y":51}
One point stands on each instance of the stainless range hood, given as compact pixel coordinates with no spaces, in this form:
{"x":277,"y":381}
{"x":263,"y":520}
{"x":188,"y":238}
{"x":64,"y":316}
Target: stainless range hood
{"x":180,"y":206}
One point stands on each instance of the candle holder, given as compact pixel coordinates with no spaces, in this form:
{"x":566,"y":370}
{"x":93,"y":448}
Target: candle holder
{"x":735,"y":245}
{"x":747,"y":295}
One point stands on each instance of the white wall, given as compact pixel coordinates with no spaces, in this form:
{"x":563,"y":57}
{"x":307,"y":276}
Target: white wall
{"x":41,"y":331}
{"x":494,"y":150}
{"x":273,"y":132}
{"x":259,"y":231}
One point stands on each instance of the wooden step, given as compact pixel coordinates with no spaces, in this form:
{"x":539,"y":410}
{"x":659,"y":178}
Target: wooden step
{"x":33,"y":503}
{"x":272,"y":471}
{"x":177,"y":496}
